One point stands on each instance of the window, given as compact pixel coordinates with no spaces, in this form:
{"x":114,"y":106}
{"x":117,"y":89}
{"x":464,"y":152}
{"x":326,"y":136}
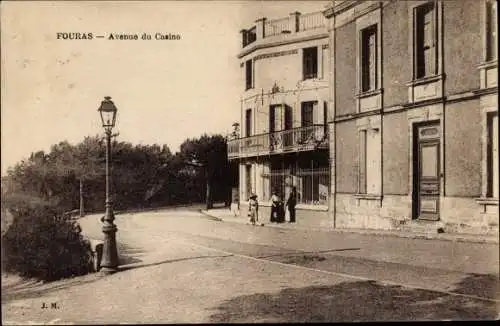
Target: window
{"x":491,"y":31}
{"x":425,"y":41}
{"x":248,"y":74}
{"x":369,"y":58}
{"x":310,"y":63}
{"x":307,"y":121}
{"x":492,"y":155}
{"x":248,"y":123}
{"x":369,"y":162}
{"x":311,"y":180}
{"x":307,"y":113}
{"x":249,"y":36}
{"x":275,"y":118}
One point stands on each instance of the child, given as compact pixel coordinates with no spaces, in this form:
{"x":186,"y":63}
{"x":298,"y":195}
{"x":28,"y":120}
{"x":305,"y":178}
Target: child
{"x":253,"y":209}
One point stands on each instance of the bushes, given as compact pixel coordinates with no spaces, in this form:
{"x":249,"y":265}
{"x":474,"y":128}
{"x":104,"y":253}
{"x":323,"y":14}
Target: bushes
{"x":42,"y":245}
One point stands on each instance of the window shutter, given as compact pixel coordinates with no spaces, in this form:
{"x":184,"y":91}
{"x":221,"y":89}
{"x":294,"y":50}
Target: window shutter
{"x":372,"y":50}
{"x":491,"y":30}
{"x":494,"y":29}
{"x":248,"y":123}
{"x":429,"y":43}
{"x":362,"y":163}
{"x":249,"y":71}
{"x":307,"y":114}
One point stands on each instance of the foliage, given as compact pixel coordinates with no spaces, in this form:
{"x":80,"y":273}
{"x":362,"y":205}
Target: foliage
{"x":37,"y":191}
{"x":208,"y":156}
{"x":42,"y":245}
{"x":141,"y":175}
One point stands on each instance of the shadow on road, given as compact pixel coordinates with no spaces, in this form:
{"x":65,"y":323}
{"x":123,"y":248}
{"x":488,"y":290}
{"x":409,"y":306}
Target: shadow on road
{"x":27,"y":289}
{"x":351,"y":302}
{"x":482,"y":285}
{"x":135,"y":265}
{"x":309,"y":252}
{"x":129,"y":255}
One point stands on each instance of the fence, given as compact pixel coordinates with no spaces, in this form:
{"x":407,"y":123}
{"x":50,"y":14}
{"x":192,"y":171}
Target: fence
{"x":312,"y":185}
{"x":297,"y":139}
{"x":311,"y":21}
{"x":277,"y":26}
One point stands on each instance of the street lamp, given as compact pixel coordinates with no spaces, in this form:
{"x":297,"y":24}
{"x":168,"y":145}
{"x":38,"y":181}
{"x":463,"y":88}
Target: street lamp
{"x":109,"y":262}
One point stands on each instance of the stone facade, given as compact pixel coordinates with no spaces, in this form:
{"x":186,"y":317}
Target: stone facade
{"x":411,"y":102}
{"x":457,"y":97}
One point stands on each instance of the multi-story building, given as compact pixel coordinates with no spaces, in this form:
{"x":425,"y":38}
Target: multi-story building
{"x":414,"y":139}
{"x":285,"y":71}
{"x":411,"y":111}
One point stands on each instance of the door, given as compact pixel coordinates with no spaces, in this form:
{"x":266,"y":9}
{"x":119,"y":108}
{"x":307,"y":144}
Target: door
{"x":307,"y":121}
{"x":276,"y":126}
{"x":428,"y":175}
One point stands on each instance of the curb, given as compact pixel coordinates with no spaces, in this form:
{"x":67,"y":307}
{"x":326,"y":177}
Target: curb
{"x":420,"y":236}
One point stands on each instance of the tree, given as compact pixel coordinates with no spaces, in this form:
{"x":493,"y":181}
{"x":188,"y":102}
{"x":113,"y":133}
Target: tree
{"x":209,"y":155}
{"x":85,"y":161}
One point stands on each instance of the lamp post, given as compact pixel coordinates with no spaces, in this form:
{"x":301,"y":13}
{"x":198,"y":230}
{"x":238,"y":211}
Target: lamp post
{"x":109,"y":262}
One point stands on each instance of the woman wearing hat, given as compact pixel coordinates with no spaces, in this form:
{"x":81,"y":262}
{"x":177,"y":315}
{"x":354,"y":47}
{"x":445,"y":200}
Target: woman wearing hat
{"x":253,"y":209}
{"x":275,"y":207}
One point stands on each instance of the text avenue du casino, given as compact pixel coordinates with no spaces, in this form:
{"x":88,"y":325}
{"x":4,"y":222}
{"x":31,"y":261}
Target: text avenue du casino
{"x":117,"y":36}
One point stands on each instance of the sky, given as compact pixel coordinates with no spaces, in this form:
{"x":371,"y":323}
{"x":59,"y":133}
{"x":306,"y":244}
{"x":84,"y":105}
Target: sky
{"x":165,"y":90}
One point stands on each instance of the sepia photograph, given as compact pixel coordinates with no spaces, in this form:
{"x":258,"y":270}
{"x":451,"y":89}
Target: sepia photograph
{"x":246,"y":161}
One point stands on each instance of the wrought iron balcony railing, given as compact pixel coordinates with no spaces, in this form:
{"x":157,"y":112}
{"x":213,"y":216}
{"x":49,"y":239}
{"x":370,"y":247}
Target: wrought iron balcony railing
{"x":291,"y":140}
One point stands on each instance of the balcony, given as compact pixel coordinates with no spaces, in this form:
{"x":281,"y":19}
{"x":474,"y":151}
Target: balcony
{"x":274,"y":28}
{"x":285,"y":141}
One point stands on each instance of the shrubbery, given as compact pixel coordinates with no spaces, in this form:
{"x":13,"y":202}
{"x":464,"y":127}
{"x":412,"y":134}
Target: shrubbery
{"x":42,"y":244}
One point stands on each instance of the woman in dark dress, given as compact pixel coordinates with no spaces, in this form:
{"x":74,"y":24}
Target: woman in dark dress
{"x":291,"y":203}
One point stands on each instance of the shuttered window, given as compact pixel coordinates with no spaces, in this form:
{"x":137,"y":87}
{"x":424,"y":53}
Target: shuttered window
{"x":425,"y":41}
{"x":310,"y":63}
{"x":492,"y":156}
{"x":362,"y":163}
{"x":307,"y":113}
{"x":369,"y":58}
{"x":369,"y":162}
{"x":248,"y":123}
{"x":491,"y":31}
{"x":248,"y":74}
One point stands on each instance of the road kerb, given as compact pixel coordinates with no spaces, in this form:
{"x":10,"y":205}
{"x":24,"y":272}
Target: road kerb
{"x":422,"y":236}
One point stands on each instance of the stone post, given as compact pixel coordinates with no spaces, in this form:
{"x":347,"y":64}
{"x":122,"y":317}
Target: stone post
{"x":261,"y":28}
{"x":295,"y":22}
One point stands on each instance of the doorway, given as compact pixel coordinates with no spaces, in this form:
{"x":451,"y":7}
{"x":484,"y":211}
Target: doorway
{"x":426,"y":171}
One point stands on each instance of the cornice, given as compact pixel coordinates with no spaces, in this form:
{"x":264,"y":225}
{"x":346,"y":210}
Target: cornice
{"x":346,"y":5}
{"x":271,"y":44}
{"x":275,"y":54}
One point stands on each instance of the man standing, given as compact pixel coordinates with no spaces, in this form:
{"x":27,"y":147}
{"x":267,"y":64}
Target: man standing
{"x":291,"y":203}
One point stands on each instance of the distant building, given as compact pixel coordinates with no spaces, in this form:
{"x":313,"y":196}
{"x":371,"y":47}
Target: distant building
{"x":409,"y":93}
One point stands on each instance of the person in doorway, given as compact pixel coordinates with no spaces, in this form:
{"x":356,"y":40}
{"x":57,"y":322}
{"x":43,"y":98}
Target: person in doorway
{"x":275,"y":207}
{"x":253,"y":209}
{"x":291,"y":203}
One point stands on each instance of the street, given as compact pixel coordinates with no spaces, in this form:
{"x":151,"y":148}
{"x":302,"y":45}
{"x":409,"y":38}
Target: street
{"x":178,"y":266}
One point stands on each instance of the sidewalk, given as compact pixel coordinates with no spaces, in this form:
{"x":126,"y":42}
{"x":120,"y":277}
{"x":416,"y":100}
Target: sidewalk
{"x":224,"y":214}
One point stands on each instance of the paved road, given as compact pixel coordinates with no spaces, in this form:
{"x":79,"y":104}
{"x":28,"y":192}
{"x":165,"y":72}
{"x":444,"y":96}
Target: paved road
{"x":179,"y":267}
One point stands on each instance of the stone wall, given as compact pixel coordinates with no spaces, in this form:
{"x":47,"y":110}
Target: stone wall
{"x":383,"y":214}
{"x":466,"y":215}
